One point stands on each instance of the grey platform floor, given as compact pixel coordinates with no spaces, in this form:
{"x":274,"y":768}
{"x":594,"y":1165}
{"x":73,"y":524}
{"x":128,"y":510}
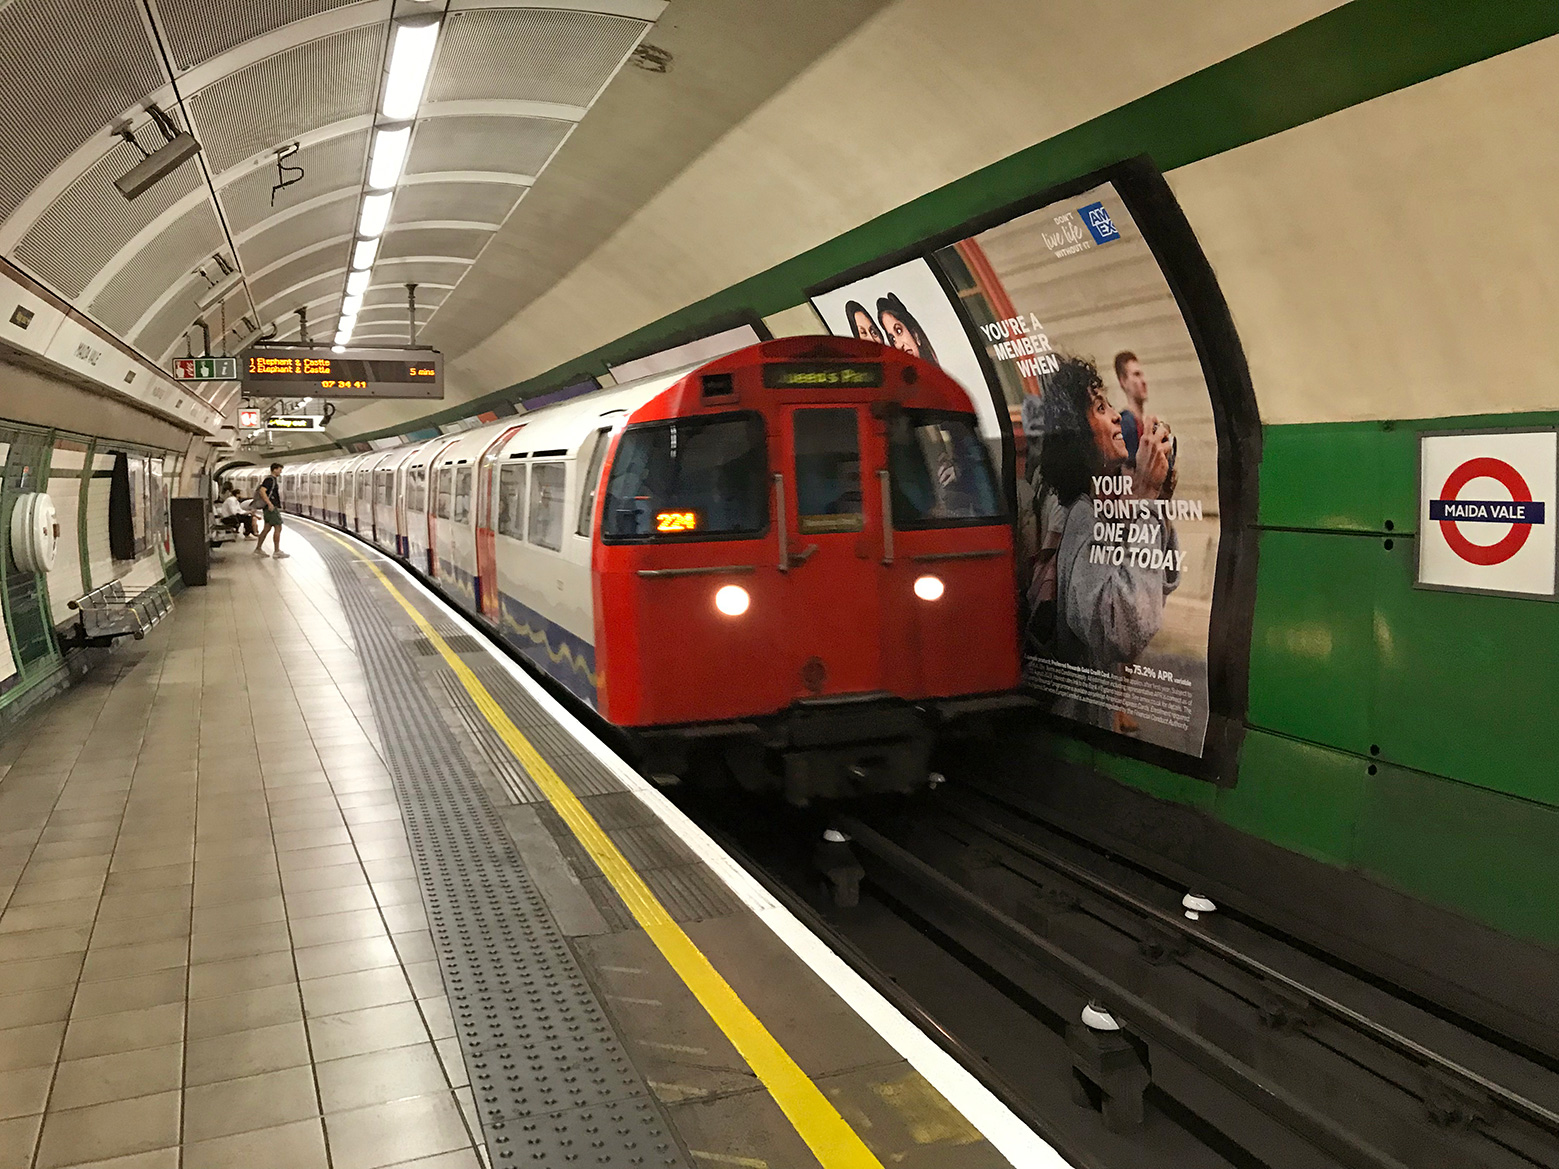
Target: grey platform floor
{"x":214,"y":949}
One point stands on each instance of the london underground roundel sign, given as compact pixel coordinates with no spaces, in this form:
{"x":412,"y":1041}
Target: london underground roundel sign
{"x":1486,"y":511}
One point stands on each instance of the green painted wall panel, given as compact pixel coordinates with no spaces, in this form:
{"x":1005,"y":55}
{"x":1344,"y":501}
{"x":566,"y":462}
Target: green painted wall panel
{"x":1312,"y":659}
{"x":1466,"y":685}
{"x":1297,"y":795}
{"x":1488,"y":855}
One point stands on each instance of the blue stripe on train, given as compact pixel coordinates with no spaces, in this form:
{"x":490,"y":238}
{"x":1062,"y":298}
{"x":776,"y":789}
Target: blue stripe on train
{"x":565,"y":656}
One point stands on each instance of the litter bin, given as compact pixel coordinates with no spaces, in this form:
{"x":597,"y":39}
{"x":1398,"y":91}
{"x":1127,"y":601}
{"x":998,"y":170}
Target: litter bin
{"x":190,"y":517}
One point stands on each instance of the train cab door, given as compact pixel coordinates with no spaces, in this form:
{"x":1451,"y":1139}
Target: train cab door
{"x":487,"y":525}
{"x":832,"y":548}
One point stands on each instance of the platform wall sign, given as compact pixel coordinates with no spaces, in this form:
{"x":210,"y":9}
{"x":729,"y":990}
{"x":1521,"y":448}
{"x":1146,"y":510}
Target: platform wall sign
{"x":1486,"y":504}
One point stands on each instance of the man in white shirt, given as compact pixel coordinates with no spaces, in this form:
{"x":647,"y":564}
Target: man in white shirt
{"x":233,"y":513}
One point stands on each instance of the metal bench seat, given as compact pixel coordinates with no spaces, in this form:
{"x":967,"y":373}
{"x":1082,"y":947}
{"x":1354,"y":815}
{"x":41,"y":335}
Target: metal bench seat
{"x":108,"y":613}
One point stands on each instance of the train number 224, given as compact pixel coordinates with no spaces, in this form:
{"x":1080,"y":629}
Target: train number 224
{"x":676,"y":521}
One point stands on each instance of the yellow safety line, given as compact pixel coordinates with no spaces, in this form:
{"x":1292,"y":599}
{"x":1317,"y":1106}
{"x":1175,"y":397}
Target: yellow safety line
{"x":832,"y":1141}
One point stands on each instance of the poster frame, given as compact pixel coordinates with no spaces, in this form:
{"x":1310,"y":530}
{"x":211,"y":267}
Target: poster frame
{"x":1236,"y":421}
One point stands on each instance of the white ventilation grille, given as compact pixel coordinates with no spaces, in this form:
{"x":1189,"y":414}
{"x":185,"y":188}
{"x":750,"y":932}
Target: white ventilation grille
{"x":274,"y":100}
{"x":331,"y":259}
{"x":534,"y":54}
{"x":472,"y":202}
{"x":198,"y":30}
{"x":335,"y":164}
{"x":517,"y":146}
{"x":301,"y":231}
{"x":165,"y":262}
{"x":71,"y":67}
{"x":433,"y":241}
{"x":80,"y":232}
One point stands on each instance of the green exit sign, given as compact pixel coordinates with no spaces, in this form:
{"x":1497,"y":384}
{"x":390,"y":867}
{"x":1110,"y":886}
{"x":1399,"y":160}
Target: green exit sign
{"x":205,"y":369}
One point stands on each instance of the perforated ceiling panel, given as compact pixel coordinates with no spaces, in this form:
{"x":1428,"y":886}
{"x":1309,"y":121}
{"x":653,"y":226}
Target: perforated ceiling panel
{"x":274,"y":100}
{"x":534,"y":54}
{"x":324,"y":290}
{"x":335,"y":164}
{"x":71,"y":68}
{"x":306,"y":267}
{"x":300,"y":231}
{"x":173,"y":321}
{"x":80,"y":231}
{"x":432,"y":241}
{"x":472,"y":202}
{"x":198,"y":29}
{"x":165,"y":262}
{"x":519,"y":146}
{"x":392,"y":294}
{"x":398,"y":272}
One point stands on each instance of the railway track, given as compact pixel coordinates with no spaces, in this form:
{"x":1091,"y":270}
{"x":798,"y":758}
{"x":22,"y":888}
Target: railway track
{"x":1235,"y":1046}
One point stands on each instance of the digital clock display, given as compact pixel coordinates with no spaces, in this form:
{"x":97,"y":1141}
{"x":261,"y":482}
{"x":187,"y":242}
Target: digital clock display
{"x":822,"y":375}
{"x":355,"y":373}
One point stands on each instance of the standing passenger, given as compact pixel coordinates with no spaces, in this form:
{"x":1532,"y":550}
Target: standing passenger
{"x":270,"y":504}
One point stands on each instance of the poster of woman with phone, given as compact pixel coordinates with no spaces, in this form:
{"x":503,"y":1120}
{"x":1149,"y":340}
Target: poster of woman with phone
{"x":1109,"y":596}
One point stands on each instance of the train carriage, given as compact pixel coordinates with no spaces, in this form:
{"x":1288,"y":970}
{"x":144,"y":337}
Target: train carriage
{"x":792,"y":560}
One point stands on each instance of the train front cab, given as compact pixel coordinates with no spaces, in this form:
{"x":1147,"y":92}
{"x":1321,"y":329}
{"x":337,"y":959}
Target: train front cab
{"x":820,"y":534}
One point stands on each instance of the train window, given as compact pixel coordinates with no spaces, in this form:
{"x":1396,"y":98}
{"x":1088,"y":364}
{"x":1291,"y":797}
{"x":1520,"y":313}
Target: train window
{"x":828,"y":470}
{"x":511,"y":500}
{"x":713,"y":469}
{"x":463,"y":495}
{"x":444,"y":492}
{"x":597,"y":443}
{"x":417,"y":489}
{"x":384,"y":485}
{"x":941,"y":472}
{"x":546,"y":504}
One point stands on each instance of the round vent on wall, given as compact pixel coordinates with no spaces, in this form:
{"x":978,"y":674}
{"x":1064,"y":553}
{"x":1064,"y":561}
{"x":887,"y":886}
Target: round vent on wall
{"x":35,"y":532}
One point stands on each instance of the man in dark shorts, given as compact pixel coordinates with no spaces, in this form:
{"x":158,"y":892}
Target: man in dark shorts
{"x":269,"y":499}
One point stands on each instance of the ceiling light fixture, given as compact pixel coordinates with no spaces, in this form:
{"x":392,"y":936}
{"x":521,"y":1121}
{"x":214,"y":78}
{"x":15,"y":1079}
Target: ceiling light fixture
{"x":357,"y":283}
{"x":363,"y":254}
{"x":410,"y":61}
{"x":351,"y":306}
{"x":376,"y":213}
{"x":388,"y":157}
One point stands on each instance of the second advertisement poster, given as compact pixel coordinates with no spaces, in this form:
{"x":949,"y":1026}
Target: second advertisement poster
{"x":1117,"y":449}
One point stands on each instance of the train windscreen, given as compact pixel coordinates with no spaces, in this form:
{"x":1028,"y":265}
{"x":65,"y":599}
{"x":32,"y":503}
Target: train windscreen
{"x":697,"y":478}
{"x":941,"y":472}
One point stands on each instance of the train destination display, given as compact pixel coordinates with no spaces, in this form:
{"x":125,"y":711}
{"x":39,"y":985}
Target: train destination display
{"x":320,"y":372}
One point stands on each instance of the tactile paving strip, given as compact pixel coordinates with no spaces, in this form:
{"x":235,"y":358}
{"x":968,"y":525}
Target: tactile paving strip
{"x":552,"y":1083}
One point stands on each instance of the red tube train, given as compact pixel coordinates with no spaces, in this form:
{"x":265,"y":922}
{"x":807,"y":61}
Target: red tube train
{"x":788,"y":564}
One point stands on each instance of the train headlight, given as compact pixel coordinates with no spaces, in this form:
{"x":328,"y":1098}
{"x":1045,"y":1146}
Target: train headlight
{"x":732,"y":600}
{"x":929,"y":588}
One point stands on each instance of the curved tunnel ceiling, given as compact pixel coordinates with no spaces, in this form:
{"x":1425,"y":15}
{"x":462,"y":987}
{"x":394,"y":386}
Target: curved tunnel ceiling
{"x":218,"y":240}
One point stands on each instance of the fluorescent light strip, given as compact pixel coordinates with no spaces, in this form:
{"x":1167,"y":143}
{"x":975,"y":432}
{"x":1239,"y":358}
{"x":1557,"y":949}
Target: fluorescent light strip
{"x":357,"y":282}
{"x":363,"y":254}
{"x":388,"y":157}
{"x":410,"y":60}
{"x":375,"y":214}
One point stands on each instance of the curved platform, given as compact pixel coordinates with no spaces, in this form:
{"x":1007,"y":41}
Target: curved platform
{"x":332,"y":882}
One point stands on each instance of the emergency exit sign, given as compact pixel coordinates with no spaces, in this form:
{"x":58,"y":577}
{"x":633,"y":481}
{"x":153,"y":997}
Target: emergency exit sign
{"x":205,"y":369}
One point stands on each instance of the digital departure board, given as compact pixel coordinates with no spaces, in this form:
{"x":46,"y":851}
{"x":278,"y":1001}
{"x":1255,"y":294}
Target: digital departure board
{"x":319,"y":372}
{"x":822,"y":375}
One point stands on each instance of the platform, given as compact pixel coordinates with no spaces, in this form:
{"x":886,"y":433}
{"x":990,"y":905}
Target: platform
{"x":313,"y":877}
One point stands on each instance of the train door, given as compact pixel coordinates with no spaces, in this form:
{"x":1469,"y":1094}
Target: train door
{"x":487,"y":525}
{"x":833,"y":547}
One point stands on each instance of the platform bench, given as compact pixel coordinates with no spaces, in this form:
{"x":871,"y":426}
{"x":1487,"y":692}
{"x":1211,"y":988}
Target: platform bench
{"x":107,"y":613}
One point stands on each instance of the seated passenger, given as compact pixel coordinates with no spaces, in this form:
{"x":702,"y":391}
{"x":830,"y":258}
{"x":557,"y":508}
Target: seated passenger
{"x":233,"y":513}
